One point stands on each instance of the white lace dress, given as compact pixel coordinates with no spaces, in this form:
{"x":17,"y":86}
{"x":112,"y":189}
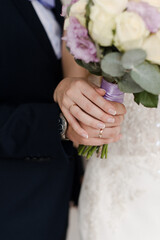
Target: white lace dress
{"x":120,"y":197}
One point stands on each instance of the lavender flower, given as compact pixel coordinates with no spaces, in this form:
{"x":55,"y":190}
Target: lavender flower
{"x":64,"y":10}
{"x":74,"y":1}
{"x":150,"y":14}
{"x":79,"y":43}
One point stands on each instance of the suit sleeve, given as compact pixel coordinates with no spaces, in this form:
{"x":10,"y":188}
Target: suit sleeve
{"x":29,"y":130}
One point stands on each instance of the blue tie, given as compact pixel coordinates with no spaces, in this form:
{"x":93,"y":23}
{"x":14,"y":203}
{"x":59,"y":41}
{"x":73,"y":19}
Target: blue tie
{"x":47,"y":3}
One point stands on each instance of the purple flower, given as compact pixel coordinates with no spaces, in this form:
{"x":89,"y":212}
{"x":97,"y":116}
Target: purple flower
{"x":150,"y":14}
{"x":79,"y":43}
{"x":74,"y":1}
{"x":64,"y":10}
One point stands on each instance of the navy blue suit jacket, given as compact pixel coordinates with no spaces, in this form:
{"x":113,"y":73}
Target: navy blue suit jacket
{"x":29,"y":73}
{"x":36,"y":173}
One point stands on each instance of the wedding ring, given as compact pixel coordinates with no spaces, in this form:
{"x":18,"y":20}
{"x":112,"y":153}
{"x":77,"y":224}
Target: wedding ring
{"x":100,"y":133}
{"x":72,"y":106}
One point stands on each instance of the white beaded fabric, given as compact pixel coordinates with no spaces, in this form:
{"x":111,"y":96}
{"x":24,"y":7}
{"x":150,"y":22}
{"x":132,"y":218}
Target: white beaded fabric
{"x":120,"y":197}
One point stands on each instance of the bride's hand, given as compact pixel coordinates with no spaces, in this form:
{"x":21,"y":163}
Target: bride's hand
{"x":82,"y":101}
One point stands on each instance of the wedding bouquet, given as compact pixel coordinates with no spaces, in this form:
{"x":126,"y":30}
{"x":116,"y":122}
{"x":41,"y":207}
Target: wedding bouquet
{"x":120,"y":41}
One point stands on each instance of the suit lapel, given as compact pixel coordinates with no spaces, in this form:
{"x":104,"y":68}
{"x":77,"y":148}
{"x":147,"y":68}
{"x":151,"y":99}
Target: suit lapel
{"x":30,"y":16}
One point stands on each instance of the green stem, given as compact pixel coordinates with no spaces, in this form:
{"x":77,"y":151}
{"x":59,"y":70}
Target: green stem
{"x":81,"y":148}
{"x":88,"y":148}
{"x":97,"y":150}
{"x":90,"y":153}
{"x":103,"y":151}
{"x":106,"y":154}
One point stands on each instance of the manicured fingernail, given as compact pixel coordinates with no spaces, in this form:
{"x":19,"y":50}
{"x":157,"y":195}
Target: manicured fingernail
{"x":85,"y":135}
{"x":110,"y":120}
{"x":112,"y":112}
{"x":101,"y":125}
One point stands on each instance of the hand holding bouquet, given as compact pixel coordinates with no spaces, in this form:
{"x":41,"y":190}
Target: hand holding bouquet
{"x":120,"y":41}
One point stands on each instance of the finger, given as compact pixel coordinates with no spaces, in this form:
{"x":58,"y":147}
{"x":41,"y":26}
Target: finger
{"x":88,"y":90}
{"x":93,"y":110}
{"x":105,"y":133}
{"x":74,"y":137}
{"x":120,"y":108}
{"x":118,"y":121}
{"x":100,"y":91}
{"x":112,"y":108}
{"x":85,"y":118}
{"x":98,"y":100}
{"x":98,"y":141}
{"x":74,"y":123}
{"x":111,"y":132}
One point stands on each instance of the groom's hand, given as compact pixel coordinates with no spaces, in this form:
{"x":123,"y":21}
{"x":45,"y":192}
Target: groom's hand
{"x":108,"y":135}
{"x":111,"y":133}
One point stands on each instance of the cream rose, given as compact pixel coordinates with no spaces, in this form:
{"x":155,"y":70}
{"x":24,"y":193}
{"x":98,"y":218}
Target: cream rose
{"x":78,"y":10}
{"x":113,"y":7}
{"x":152,"y":47}
{"x":101,"y":26}
{"x":130,"y":31}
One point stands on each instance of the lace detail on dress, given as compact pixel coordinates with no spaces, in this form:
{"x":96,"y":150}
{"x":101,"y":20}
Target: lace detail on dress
{"x":141,"y":131}
{"x":132,"y":172}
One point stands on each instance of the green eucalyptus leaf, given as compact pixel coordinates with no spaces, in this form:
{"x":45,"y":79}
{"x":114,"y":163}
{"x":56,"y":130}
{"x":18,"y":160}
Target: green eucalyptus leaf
{"x":133,"y":58}
{"x":111,"y":65}
{"x":147,"y":99}
{"x":92,"y":67}
{"x":147,"y":76}
{"x":127,"y":85}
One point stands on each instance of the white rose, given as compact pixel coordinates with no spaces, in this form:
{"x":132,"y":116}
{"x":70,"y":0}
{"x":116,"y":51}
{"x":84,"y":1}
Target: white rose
{"x":152,"y":47}
{"x":112,"y":7}
{"x":66,"y":24}
{"x":78,"y":10}
{"x":130,"y":31}
{"x":101,"y":26}
{"x":155,"y":3}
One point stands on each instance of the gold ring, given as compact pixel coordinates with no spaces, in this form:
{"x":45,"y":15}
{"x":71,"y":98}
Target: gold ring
{"x":100,"y":133}
{"x":72,"y":106}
